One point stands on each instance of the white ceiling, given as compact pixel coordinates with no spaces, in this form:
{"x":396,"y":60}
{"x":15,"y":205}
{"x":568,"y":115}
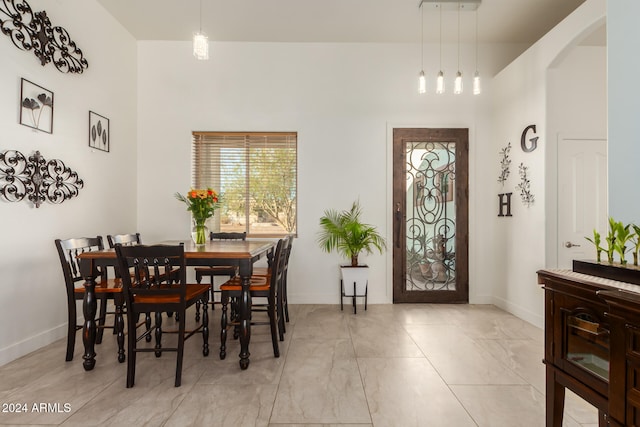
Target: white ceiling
{"x":379,"y":21}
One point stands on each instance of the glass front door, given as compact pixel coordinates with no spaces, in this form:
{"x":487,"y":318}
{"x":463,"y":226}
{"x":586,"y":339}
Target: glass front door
{"x":430,"y":223}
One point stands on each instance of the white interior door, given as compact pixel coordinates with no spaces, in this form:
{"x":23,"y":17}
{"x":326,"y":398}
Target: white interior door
{"x":582,"y":197}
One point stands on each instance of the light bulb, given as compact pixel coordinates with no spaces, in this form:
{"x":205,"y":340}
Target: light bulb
{"x":476,"y":83}
{"x":422,"y":83}
{"x":440,"y":83}
{"x":457,"y":85}
{"x":200,"y":46}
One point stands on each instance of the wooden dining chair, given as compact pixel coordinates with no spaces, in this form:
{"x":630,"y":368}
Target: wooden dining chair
{"x":106,"y":288}
{"x":260,"y":287}
{"x":158,"y":285}
{"x":124,"y":239}
{"x":283,"y":306}
{"x":218,"y":270}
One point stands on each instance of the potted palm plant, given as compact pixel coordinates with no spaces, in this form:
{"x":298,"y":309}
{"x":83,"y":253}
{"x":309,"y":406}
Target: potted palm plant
{"x":346,"y":234}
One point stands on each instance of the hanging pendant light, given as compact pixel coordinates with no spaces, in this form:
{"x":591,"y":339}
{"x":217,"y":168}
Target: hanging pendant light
{"x":457,"y":85}
{"x":476,"y":77}
{"x":440,"y":79}
{"x":422,"y":83}
{"x":200,"y":42}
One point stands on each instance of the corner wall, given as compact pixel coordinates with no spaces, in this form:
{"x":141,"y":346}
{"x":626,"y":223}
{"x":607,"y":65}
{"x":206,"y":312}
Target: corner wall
{"x":33,"y":305}
{"x":519,"y":101}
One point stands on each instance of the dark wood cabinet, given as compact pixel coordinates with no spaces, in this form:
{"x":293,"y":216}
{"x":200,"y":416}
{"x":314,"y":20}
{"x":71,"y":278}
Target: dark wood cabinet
{"x":592,"y":345}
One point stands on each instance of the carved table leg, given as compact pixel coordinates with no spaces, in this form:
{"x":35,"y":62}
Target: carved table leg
{"x":89,"y":306}
{"x":119,"y":324}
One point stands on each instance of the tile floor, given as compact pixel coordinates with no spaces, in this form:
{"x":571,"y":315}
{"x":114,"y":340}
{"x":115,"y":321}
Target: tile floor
{"x":392,"y":365}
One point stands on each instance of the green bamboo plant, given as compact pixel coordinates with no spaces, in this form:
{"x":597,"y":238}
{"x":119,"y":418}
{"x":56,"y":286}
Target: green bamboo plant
{"x":596,"y":242}
{"x":611,"y":240}
{"x":636,"y":242}
{"x":623,"y":234}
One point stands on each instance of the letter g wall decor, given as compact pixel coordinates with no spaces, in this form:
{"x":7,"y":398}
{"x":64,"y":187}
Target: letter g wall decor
{"x":33,"y":31}
{"x":36,"y":179}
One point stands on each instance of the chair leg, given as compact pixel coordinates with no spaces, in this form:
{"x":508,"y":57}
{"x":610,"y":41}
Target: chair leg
{"x":147,"y":324}
{"x":101,"y":319}
{"x":274,"y":328}
{"x":180,"y":354}
{"x":131,"y":349}
{"x":158,"y":347}
{"x":198,"y":280}
{"x":280,"y":318}
{"x":71,"y":330}
{"x":205,"y":325}
{"x":223,"y":326}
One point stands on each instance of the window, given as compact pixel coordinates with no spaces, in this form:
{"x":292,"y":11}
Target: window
{"x":256,"y":173}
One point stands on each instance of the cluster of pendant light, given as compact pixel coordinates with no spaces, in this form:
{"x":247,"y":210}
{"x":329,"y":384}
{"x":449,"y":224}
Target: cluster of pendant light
{"x":440,"y":83}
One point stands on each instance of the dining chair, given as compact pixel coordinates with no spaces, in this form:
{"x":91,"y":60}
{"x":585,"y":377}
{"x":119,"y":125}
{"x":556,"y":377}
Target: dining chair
{"x":283,"y":306}
{"x":124,"y":239}
{"x":158,"y":285}
{"x":260,"y":287}
{"x":218,"y":270}
{"x":105,"y":289}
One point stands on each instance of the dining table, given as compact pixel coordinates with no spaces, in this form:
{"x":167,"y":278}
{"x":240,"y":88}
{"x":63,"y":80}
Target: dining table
{"x":242,"y":254}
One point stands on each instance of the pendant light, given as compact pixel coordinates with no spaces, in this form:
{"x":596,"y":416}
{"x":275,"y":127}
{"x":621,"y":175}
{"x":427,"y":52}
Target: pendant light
{"x":422,"y":83}
{"x":476,"y":77}
{"x":200,"y":42}
{"x":440,"y":79}
{"x":457,"y":84}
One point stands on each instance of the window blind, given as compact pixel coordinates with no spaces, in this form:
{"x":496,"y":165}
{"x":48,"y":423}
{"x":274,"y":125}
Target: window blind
{"x":256,"y":173}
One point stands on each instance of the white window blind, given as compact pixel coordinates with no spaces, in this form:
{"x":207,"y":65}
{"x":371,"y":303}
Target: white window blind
{"x":256,"y":173}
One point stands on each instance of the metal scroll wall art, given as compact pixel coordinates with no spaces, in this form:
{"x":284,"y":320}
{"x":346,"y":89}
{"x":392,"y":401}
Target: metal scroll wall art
{"x":33,"y":31}
{"x":36,"y":179}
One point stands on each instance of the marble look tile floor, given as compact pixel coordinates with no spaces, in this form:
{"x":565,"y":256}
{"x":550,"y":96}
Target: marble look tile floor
{"x":392,"y":365}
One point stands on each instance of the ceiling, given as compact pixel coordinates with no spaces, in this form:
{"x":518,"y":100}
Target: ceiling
{"x":357,"y":21}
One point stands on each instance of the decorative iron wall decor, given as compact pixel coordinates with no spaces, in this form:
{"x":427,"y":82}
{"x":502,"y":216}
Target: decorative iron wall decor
{"x":36,"y":106}
{"x":525,"y":186}
{"x":505,"y":162}
{"x":36,"y":179}
{"x":98,"y":131}
{"x":33,"y":31}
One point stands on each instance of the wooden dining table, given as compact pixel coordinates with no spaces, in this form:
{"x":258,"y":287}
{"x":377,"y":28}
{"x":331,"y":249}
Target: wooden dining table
{"x":242,"y":254}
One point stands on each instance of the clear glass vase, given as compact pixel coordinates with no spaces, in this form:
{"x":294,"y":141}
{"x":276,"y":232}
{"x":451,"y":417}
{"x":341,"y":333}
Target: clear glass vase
{"x":199,"y":233}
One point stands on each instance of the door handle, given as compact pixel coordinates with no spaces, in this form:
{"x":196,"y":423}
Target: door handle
{"x":398,"y":215}
{"x":570,"y":245}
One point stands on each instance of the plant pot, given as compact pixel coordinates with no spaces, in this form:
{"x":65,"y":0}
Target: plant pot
{"x":354,"y":274}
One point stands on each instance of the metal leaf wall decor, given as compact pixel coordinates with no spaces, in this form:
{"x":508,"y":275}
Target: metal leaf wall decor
{"x":33,"y":31}
{"x":36,"y":179}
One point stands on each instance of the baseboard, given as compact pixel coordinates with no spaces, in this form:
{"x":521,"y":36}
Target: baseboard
{"x":33,"y":343}
{"x":536,"y":319}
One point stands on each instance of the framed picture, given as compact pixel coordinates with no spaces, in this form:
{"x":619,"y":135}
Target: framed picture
{"x":36,"y":106}
{"x":98,"y":132}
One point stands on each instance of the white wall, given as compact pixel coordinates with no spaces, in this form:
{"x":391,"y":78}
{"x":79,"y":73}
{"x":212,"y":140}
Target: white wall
{"x":624,"y":106}
{"x":32,"y":298}
{"x":520,"y":99}
{"x":342,"y":99}
{"x":576,"y":108}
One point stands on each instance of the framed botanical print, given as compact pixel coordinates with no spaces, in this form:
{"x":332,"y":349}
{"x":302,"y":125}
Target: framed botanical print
{"x":36,"y":106}
{"x":98,"y":132}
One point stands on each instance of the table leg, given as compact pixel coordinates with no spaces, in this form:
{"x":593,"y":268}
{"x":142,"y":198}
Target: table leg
{"x":245,"y":322}
{"x":89,"y":306}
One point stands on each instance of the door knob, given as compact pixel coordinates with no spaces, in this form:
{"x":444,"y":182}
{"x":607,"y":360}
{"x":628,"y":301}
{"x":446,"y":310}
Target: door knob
{"x":570,"y":245}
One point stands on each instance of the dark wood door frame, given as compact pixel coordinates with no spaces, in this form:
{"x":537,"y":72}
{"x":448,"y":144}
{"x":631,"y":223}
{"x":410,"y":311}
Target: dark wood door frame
{"x":460,"y":136}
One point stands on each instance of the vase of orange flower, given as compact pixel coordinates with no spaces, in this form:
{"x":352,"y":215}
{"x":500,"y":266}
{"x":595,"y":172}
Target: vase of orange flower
{"x":202,"y":205}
